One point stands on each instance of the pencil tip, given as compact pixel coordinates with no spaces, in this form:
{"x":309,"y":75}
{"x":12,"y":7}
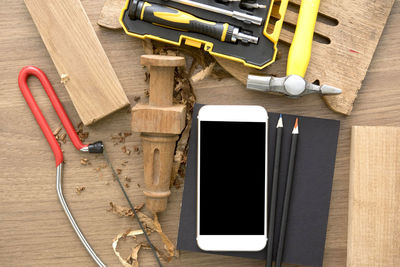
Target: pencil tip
{"x":280,"y":122}
{"x":296,"y":127}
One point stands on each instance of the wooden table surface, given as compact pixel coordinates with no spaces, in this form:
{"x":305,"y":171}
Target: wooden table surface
{"x":34,"y":230}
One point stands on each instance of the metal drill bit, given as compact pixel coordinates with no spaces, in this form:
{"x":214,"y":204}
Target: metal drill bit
{"x":245,"y":38}
{"x":252,"y":5}
{"x":234,"y":14}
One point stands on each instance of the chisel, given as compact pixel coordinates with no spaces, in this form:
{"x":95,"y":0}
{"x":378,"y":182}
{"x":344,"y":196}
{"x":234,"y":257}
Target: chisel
{"x":175,"y":19}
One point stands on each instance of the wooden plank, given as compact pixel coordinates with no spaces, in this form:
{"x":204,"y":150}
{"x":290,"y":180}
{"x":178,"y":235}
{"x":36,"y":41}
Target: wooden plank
{"x":79,"y":57}
{"x":374,"y":199}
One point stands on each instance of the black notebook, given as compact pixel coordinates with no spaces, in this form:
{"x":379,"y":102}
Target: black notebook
{"x":311,"y":189}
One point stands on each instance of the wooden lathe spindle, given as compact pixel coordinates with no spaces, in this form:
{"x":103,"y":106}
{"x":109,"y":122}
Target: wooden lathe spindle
{"x":160,"y":122}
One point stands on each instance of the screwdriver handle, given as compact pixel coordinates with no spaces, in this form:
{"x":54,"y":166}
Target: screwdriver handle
{"x":173,"y":18}
{"x":300,"y":49}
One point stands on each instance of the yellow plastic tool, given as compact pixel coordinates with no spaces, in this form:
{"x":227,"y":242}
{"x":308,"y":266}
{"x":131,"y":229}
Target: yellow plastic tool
{"x":300,"y":50}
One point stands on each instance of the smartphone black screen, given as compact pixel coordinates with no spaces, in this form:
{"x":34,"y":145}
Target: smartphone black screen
{"x":232,"y":178}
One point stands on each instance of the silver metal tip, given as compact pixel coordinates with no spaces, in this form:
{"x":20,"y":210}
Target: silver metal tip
{"x":330,"y":90}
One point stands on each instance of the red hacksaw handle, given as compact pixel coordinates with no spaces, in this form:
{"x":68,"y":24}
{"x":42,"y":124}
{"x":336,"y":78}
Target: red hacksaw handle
{"x":22,"y":82}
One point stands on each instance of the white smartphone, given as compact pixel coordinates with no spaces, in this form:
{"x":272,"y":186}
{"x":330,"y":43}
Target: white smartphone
{"x":232,"y":178}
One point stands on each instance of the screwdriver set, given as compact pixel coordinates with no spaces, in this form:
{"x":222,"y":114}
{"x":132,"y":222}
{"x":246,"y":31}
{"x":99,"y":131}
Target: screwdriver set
{"x":233,"y":29}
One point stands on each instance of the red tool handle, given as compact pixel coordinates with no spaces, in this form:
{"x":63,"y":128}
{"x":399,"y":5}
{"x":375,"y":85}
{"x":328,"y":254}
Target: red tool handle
{"x":23,"y":85}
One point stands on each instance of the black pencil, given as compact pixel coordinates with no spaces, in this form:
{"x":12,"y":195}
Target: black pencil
{"x":278,"y":141}
{"x":288,"y":190}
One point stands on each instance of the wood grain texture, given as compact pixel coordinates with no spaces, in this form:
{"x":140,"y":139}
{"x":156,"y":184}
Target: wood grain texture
{"x":374,"y":199}
{"x":79,"y":58}
{"x":109,"y":15}
{"x":34,"y":230}
{"x":150,"y":119}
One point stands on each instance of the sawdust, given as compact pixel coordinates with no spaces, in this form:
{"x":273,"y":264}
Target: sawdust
{"x":126,"y":150}
{"x":57,"y":131}
{"x":80,"y":189}
{"x":82,"y":135}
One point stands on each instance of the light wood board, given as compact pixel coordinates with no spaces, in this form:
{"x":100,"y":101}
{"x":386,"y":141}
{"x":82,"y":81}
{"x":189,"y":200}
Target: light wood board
{"x":374,"y":197}
{"x":79,"y":57}
{"x":34,"y":230}
{"x":346,"y":35}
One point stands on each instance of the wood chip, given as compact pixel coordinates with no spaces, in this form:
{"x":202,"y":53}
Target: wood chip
{"x":84,"y":161}
{"x":80,"y":189}
{"x":56,"y":131}
{"x":126,"y":134}
{"x":64,"y":78}
{"x":62,"y":137}
{"x":125,"y":150}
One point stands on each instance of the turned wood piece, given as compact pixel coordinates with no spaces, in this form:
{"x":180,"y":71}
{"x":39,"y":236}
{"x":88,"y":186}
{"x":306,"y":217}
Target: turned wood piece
{"x":160,"y":122}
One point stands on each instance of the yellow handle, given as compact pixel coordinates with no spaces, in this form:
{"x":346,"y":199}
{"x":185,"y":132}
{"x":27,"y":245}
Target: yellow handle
{"x":274,"y":36}
{"x":300,"y":50}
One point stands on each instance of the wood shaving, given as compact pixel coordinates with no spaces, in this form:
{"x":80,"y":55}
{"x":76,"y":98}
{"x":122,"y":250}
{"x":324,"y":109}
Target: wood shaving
{"x":62,"y":137}
{"x":136,"y":98}
{"x":126,"y":185}
{"x":132,"y":260}
{"x":119,"y":171}
{"x":125,"y":150}
{"x":82,"y":135}
{"x":124,"y":211}
{"x":149,"y":225}
{"x":118,"y":138}
{"x":80,"y":189}
{"x":64,"y":78}
{"x":56,"y":131}
{"x":168,"y":245}
{"x":201,"y":75}
{"x":84,"y":161}
{"x":136,"y":149}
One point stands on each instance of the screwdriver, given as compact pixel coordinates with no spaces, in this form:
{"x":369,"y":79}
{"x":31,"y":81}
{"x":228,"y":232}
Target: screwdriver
{"x":175,"y":19}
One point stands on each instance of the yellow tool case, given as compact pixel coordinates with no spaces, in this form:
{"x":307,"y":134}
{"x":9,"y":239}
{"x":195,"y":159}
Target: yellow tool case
{"x":239,"y":30}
